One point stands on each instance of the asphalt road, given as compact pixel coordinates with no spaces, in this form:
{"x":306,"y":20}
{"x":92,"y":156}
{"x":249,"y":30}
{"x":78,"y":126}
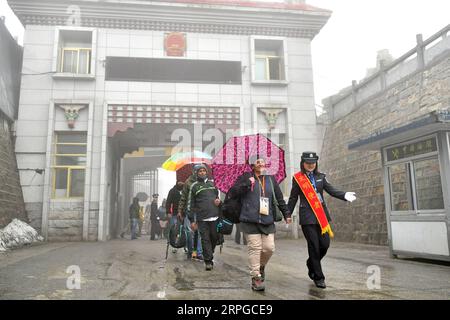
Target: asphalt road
{"x":124,"y":269}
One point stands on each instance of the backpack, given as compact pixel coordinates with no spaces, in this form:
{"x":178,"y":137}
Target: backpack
{"x":231,"y":208}
{"x":224,"y":226}
{"x":178,"y":235}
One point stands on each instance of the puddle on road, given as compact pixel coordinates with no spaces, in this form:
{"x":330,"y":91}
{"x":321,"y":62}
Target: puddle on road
{"x":181,"y":283}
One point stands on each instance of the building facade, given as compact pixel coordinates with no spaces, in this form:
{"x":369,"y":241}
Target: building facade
{"x":103,"y":78}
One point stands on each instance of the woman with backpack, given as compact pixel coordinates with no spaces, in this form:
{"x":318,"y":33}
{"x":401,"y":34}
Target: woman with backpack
{"x":257,"y":192}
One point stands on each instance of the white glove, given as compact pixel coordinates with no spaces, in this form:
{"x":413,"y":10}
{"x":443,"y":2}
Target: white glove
{"x":350,"y":196}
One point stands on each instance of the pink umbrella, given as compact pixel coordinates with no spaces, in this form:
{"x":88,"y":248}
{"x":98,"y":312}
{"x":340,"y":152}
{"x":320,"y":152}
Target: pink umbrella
{"x":232,"y":160}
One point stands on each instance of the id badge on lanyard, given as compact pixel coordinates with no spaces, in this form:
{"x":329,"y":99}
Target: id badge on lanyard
{"x":263,"y":200}
{"x":264,"y":206}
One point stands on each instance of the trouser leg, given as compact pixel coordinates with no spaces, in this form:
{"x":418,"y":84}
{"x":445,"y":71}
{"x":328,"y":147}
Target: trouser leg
{"x":317,"y":247}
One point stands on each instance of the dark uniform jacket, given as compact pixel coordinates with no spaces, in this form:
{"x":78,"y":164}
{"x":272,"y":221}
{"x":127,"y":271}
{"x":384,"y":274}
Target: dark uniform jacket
{"x":154,"y":212}
{"x":306,"y":214}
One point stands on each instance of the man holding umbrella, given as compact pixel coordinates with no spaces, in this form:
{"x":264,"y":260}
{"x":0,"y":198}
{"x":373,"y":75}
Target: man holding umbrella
{"x":308,"y":184}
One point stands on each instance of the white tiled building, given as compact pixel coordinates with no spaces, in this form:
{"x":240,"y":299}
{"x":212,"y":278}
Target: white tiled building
{"x":99,"y":80}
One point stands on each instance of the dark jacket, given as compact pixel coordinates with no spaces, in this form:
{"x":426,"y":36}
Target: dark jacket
{"x":201,"y":198}
{"x":250,"y":199}
{"x":185,"y":194}
{"x":134,"y":211}
{"x":173,"y":198}
{"x":154,"y":212}
{"x":306,"y":214}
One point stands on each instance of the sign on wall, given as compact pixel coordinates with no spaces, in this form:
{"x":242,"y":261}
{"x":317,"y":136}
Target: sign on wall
{"x":411,"y":149}
{"x":175,"y":44}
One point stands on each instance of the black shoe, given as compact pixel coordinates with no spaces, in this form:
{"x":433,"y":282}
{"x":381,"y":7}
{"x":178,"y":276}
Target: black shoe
{"x":258,"y":284}
{"x":320,"y":283}
{"x":262,"y":273}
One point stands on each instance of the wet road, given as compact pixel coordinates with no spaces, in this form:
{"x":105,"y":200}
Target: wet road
{"x":124,"y":269}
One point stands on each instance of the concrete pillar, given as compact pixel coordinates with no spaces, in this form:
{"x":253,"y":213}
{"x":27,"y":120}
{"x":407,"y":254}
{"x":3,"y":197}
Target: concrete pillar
{"x":354,"y":92}
{"x":420,"y":52}
{"x":383,"y":82}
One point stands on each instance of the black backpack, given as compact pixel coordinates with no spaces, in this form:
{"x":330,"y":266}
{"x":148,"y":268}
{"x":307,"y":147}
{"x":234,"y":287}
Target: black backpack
{"x":178,"y":235}
{"x":231,"y":207}
{"x":224,"y":226}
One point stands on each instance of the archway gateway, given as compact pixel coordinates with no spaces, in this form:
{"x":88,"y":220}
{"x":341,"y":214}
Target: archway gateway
{"x":155,"y":130}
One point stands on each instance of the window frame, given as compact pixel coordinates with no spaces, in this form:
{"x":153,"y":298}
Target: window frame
{"x":69,"y":168}
{"x":412,"y":179}
{"x":78,"y":50}
{"x":58,"y":55}
{"x":283,"y":62}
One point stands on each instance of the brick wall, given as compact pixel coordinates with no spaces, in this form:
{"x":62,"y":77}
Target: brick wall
{"x":11,"y":198}
{"x":364,"y":221}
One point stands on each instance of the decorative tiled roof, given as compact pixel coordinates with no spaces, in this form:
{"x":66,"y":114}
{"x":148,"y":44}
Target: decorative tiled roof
{"x":251,"y":4}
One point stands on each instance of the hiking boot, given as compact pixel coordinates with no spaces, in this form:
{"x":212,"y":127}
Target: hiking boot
{"x":258,"y":284}
{"x":262,"y":273}
{"x":208,"y":266}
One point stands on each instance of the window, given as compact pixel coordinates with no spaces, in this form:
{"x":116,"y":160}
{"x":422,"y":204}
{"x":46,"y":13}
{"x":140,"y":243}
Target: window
{"x":76,"y":60}
{"x":401,"y":197}
{"x":415,"y":177}
{"x":269,"y":60}
{"x":428,"y":184}
{"x":75,"y":52}
{"x":69,"y":164}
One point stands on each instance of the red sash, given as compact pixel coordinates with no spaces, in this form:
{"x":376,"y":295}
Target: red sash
{"x":316,"y":206}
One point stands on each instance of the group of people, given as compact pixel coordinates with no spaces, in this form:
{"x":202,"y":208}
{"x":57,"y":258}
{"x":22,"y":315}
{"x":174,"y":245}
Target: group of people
{"x":154,"y":216}
{"x":196,"y":202}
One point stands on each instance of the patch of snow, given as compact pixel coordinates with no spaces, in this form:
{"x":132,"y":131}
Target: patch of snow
{"x":17,"y":234}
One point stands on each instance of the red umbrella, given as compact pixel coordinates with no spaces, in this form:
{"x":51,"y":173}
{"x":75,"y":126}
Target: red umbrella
{"x":184,"y":172}
{"x":232,"y":160}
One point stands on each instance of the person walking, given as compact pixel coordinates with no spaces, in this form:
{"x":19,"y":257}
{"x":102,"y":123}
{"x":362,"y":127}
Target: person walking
{"x":308,"y":185}
{"x":163,"y":220}
{"x":134,"y":217}
{"x":173,"y":199}
{"x":194,"y":246}
{"x":203,"y":211}
{"x":257,"y":192}
{"x":155,"y":228}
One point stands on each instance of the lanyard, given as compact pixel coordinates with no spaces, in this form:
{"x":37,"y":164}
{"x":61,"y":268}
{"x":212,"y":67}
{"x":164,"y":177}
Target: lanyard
{"x":263,"y":185}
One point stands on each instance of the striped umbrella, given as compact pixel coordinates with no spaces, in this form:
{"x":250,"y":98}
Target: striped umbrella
{"x":180,"y":159}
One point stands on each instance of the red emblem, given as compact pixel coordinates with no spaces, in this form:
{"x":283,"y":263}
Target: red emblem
{"x":175,"y":44}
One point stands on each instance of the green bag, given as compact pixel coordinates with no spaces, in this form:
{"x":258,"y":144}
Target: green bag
{"x":277,"y":215}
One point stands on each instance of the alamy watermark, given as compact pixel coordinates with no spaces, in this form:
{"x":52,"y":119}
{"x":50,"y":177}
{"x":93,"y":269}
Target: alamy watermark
{"x":374,"y":280}
{"x":74,"y":280}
